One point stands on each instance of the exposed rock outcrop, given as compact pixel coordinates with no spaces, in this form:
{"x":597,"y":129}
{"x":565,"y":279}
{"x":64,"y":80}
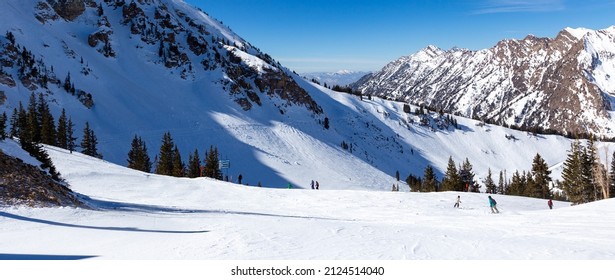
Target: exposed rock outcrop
{"x":24,"y":184}
{"x":68,"y":9}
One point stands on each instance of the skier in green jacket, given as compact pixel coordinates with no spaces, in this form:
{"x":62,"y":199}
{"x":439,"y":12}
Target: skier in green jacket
{"x":492,"y":204}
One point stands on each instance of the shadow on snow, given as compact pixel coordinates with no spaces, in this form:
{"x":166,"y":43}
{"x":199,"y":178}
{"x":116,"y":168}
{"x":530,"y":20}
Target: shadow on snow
{"x":52,"y":223}
{"x":33,"y":257}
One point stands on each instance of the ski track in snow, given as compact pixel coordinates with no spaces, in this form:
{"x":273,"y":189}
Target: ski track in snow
{"x":144,"y":216}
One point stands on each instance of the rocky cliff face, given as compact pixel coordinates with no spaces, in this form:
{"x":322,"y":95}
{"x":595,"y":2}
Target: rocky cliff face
{"x":168,"y":33}
{"x":561,"y":84}
{"x":68,"y":9}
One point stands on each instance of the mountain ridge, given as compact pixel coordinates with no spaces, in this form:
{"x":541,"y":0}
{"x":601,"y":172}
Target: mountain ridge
{"x":561,"y":84}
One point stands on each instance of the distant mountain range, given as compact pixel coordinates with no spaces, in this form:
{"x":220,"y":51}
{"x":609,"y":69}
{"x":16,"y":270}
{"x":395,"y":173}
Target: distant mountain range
{"x":565,"y":84}
{"x":340,"y":78}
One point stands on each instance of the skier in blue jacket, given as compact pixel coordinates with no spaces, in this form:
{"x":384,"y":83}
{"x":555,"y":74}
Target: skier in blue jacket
{"x":492,"y":204}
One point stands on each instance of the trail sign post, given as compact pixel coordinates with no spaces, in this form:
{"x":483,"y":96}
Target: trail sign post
{"x":224,"y":164}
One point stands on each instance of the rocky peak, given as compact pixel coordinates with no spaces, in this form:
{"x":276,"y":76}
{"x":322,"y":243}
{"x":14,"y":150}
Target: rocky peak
{"x":429,"y":52}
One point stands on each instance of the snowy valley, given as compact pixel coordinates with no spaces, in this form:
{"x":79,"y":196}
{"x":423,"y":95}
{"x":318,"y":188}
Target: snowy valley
{"x":147,"y":67}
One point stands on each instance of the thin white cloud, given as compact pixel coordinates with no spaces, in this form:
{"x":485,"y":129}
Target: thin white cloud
{"x":520,"y":6}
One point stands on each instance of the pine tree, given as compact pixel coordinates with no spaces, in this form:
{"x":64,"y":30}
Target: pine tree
{"x":70,"y":139}
{"x":466,"y":177}
{"x":541,"y":178}
{"x":14,"y":131}
{"x":500,"y":189}
{"x":32,"y":132}
{"x":194,"y":165}
{"x":36,"y":150}
{"x":489,"y":184}
{"x":573,"y":179}
{"x":89,"y":142}
{"x":62,"y":134}
{"x":179,"y":169}
{"x":529,"y":183}
{"x":47,"y":122}
{"x":591,"y":155}
{"x":212,"y":165}
{"x":137,"y":156}
{"x":20,"y":126}
{"x":451,"y":180}
{"x":67,"y":83}
{"x":430,"y":183}
{"x":598,"y":172}
{"x":517,"y":184}
{"x":414,"y":182}
{"x":165,"y":157}
{"x":3,"y":119}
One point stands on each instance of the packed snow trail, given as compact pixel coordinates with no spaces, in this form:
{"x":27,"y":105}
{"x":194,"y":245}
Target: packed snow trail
{"x":144,"y":216}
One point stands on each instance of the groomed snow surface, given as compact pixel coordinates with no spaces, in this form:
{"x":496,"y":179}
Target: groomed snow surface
{"x":136,"y":215}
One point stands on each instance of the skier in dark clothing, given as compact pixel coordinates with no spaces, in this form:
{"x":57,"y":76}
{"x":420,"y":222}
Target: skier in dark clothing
{"x":458,"y":201}
{"x":312,"y":184}
{"x":550,"y":203}
{"x":492,"y":204}
{"x":239,"y":179}
{"x":317,"y":185}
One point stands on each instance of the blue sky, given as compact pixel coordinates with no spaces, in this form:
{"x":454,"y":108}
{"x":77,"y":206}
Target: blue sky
{"x":331,"y":35}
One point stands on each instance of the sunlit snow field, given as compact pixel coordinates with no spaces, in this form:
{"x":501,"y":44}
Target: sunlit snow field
{"x":136,"y":215}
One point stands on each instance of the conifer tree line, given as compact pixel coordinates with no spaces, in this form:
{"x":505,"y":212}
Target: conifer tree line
{"x":169,"y":162}
{"x":584,"y":178}
{"x":35,"y":125}
{"x":460,"y":178}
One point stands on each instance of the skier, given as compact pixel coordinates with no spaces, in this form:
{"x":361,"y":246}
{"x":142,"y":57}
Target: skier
{"x":492,"y":204}
{"x":239,"y":178}
{"x":458,"y":201}
{"x":312,"y":184}
{"x":550,"y":203}
{"x":317,"y":185}
{"x":290,"y":186}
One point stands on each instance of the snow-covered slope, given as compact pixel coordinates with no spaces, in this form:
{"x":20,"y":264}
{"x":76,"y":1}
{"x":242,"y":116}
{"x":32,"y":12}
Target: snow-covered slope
{"x":145,"y":216}
{"x":144,"y":68}
{"x":564,"y":84}
{"x":160,"y":65}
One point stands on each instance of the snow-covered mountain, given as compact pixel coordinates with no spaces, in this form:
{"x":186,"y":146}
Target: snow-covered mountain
{"x":145,"y":67}
{"x":151,"y":66}
{"x":563,"y":84}
{"x":339,"y":78}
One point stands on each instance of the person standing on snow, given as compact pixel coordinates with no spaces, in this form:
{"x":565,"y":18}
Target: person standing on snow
{"x":458,"y":201}
{"x":317,"y":185}
{"x":312,"y":184}
{"x":550,"y":203}
{"x":290,"y":186}
{"x":492,"y":204}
